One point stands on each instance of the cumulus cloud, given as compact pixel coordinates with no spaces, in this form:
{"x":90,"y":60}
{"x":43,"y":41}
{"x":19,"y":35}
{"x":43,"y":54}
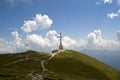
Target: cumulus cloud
{"x":6,"y":46}
{"x":47,"y":43}
{"x":51,"y":42}
{"x":95,"y":37}
{"x":15,"y":34}
{"x":15,"y":45}
{"x":118,"y":35}
{"x":18,"y":43}
{"x":69,"y":43}
{"x":51,"y":37}
{"x":37,"y":40}
{"x":107,"y":1}
{"x":95,"y":41}
{"x":38,"y":23}
{"x":113,"y":15}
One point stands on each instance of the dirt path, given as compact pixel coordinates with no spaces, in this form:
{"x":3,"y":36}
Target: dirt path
{"x":40,"y":76}
{"x":43,"y":66}
{"x":52,"y":55}
{"x":35,"y":77}
{"x":26,"y":58}
{"x":42,"y":62}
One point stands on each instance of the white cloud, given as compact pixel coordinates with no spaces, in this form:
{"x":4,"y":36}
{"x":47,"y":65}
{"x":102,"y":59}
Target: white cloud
{"x":38,"y":23}
{"x":51,"y":42}
{"x":15,"y":45}
{"x":69,"y":43}
{"x":18,"y":42}
{"x":37,"y":40}
{"x":51,"y":37}
{"x":95,"y":38}
{"x":15,"y":34}
{"x":113,"y":15}
{"x":95,"y":41}
{"x":6,"y":47}
{"x":107,"y":1}
{"x":118,"y":35}
{"x":48,"y":43}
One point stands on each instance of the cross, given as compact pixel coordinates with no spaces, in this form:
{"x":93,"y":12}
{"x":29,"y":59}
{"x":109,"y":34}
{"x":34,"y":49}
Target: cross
{"x":60,"y":46}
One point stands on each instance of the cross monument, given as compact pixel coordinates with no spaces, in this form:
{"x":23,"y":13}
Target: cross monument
{"x":60,"y":46}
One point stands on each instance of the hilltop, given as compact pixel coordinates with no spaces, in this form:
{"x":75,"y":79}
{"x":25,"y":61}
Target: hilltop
{"x":59,"y":65}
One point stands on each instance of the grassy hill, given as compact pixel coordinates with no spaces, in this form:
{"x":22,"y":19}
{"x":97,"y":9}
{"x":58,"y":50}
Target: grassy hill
{"x":67,"y":65}
{"x":12,"y":70}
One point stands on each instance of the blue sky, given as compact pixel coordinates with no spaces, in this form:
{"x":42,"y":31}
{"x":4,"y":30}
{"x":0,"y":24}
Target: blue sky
{"x":76,"y":19}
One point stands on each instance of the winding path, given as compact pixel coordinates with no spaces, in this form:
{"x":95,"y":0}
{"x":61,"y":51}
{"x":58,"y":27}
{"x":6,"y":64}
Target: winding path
{"x":26,"y":58}
{"x":42,"y":62}
{"x":40,"y":76}
{"x":52,"y":55}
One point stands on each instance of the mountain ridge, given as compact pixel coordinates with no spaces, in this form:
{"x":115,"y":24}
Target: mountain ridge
{"x":111,"y":58}
{"x":64,"y":65}
{"x":85,"y":61}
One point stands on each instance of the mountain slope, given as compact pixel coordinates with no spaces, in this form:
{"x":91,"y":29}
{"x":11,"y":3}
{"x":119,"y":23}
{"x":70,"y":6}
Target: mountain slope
{"x":64,"y":65}
{"x":20,"y":66}
{"x":71,"y":65}
{"x":109,"y":57}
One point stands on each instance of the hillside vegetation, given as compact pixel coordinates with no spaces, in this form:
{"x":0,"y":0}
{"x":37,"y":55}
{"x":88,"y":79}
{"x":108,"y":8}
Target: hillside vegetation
{"x":18,"y":66}
{"x":66,"y":65}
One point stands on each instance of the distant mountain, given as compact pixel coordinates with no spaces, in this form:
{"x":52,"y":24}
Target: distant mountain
{"x":109,"y":57}
{"x":59,"y":65}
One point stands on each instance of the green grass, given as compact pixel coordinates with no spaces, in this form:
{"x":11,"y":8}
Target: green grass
{"x":21,"y":69}
{"x":67,"y":65}
{"x":72,"y":65}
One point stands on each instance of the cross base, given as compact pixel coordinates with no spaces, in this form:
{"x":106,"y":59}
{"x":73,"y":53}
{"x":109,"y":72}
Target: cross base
{"x":60,"y":47}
